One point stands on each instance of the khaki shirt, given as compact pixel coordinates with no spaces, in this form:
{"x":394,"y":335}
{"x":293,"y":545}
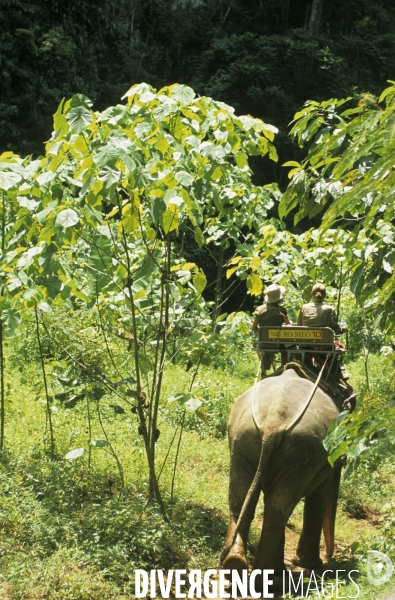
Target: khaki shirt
{"x":270,"y":313}
{"x":317,"y":314}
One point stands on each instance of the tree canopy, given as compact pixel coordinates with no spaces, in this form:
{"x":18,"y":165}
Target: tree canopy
{"x":348,"y":178}
{"x":263,"y":57}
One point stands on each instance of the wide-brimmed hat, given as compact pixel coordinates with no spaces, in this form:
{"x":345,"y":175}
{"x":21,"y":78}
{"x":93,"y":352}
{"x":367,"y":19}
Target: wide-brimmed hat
{"x":274,"y":293}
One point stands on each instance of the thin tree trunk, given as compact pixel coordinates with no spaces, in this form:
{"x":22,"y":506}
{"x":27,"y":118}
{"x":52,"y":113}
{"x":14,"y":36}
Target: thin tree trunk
{"x":162,"y":358}
{"x":307,"y":17}
{"x":340,"y":290}
{"x":315,"y":17}
{"x":112,"y":451}
{"x":49,"y":413}
{"x":366,"y":366}
{"x":218,"y":288}
{"x":181,"y":431}
{"x":149,"y":447}
{"x":176,"y":457}
{"x":89,"y":431}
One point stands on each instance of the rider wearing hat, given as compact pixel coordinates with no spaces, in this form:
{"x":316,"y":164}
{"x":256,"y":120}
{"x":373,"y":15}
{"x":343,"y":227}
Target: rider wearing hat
{"x":271,"y":313}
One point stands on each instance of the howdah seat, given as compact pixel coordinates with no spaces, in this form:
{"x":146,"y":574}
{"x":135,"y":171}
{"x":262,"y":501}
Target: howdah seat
{"x":297,"y":341}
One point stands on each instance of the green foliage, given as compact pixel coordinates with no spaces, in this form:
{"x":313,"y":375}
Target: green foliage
{"x":348,"y":174}
{"x":365,"y":337}
{"x":191,"y":169}
{"x":367,"y":435}
{"x":257,"y":56}
{"x":98,"y":216}
{"x":69,"y":513}
{"x":70,"y":533}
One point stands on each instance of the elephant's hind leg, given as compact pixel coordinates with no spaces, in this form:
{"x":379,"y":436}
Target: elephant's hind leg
{"x":234,"y":554}
{"x":279,"y":505}
{"x":308,"y":551}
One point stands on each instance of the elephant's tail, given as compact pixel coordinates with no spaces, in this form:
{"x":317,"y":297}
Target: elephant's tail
{"x":330,"y":513}
{"x":269,"y":442}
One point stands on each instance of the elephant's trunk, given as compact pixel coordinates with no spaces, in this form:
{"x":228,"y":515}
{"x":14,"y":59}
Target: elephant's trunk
{"x":330,"y":512}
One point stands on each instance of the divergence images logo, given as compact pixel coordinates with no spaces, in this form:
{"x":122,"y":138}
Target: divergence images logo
{"x":380,"y":568}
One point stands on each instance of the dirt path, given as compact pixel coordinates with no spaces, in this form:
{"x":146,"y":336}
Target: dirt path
{"x":350,"y":525}
{"x":351,"y":522}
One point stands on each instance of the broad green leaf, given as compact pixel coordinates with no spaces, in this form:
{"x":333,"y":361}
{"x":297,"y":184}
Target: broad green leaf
{"x":107,"y":155}
{"x":273,"y":153}
{"x":199,"y":281}
{"x":356,"y":278}
{"x":43,"y":214}
{"x":109,"y":176}
{"x":147,"y":96}
{"x":193,"y":404}
{"x":199,"y":237}
{"x":335,"y":437}
{"x":337,"y":453}
{"x":118,"y":410}
{"x":241,"y":160}
{"x":11,"y":319}
{"x":170,"y":218}
{"x":59,"y":118}
{"x":8,"y":179}
{"x":44,"y":307}
{"x":80,"y":100}
{"x":28,"y":203}
{"x":80,"y":295}
{"x":184,"y":178}
{"x":140,"y":294}
{"x":162,"y":144}
{"x":254,"y":284}
{"x":78,"y":118}
{"x":234,"y":140}
{"x":183,"y":94}
{"x":183,"y":397}
{"x":269,"y":131}
{"x":73,"y":400}
{"x":129,"y":162}
{"x":149,"y":267}
{"x":141,"y":129}
{"x":138,"y":89}
{"x":45,"y":177}
{"x":66,"y":218}
{"x":76,"y":453}
{"x":100,"y":443}
{"x":187,"y":400}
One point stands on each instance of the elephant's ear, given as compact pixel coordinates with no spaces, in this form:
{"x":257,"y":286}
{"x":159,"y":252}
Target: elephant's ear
{"x":330,"y":512}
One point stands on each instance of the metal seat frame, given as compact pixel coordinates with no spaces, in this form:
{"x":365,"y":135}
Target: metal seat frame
{"x":299,"y":340}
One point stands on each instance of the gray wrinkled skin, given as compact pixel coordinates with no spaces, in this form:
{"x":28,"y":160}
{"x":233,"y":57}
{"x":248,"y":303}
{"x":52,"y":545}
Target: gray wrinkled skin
{"x":295,"y":465}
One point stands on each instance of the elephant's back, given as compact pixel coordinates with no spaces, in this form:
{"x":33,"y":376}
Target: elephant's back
{"x":273,"y":405}
{"x":282,"y":397}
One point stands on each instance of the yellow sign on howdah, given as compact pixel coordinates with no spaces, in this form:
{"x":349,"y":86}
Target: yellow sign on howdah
{"x":296,"y":334}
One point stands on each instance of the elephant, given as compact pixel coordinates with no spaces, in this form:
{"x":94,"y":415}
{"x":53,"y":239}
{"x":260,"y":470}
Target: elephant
{"x":272,"y":425}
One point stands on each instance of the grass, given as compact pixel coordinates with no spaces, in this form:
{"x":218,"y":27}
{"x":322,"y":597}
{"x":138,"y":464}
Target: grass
{"x":71,"y":532}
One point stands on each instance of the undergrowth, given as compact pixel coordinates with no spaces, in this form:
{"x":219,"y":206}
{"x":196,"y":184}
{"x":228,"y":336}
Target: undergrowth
{"x":71,"y":531}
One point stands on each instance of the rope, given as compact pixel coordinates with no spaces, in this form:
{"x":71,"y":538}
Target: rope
{"x":309,"y":399}
{"x":254,"y":416}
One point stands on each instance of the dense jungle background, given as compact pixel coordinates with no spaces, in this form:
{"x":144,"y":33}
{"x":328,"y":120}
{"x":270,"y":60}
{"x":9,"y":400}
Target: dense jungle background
{"x":264,"y":57}
{"x":137,"y":236}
